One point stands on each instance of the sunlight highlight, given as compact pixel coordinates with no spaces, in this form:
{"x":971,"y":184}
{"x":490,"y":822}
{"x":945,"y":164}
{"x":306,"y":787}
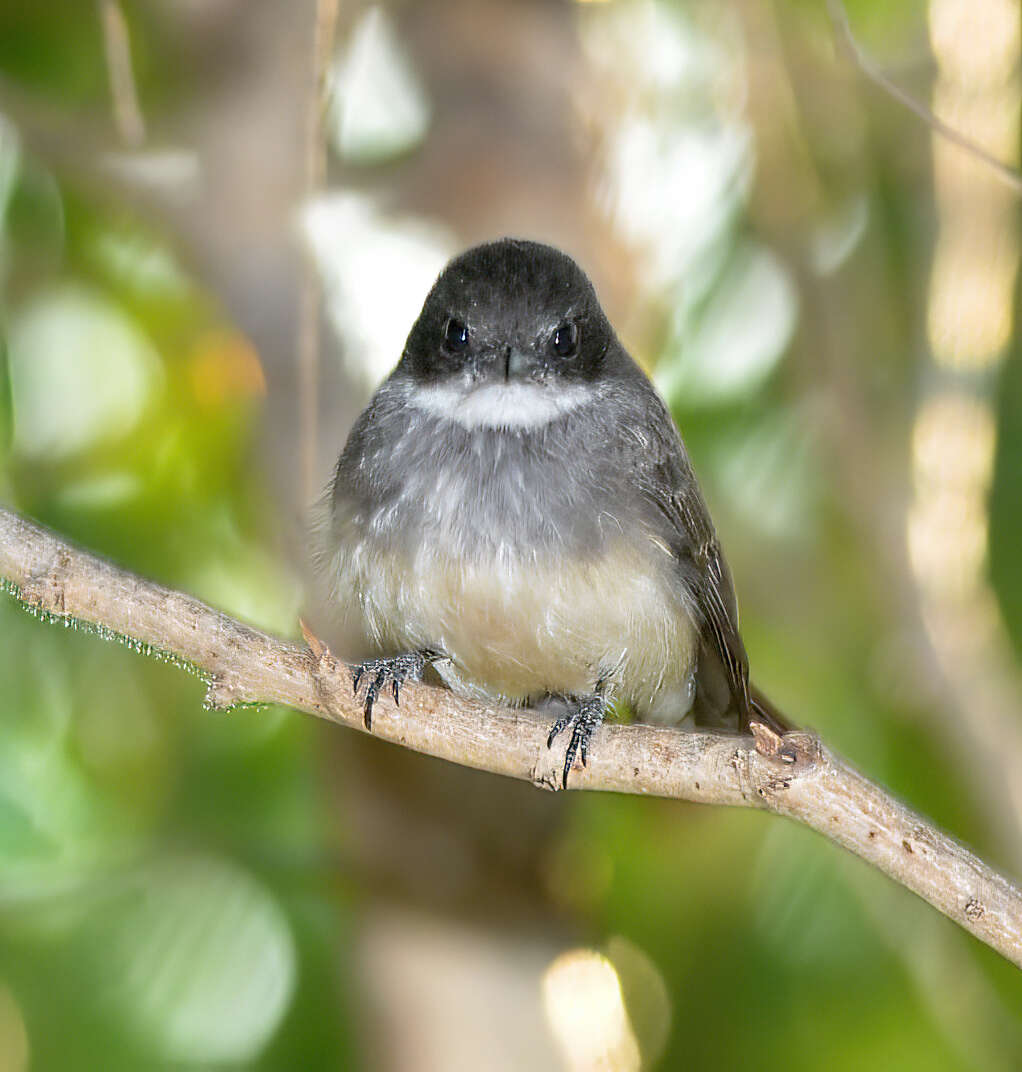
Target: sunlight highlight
{"x":976,"y":44}
{"x":586,"y":1013}
{"x":970,"y":324}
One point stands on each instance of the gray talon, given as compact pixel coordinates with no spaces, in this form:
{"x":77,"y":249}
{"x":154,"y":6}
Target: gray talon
{"x":396,"y":671}
{"x":585,"y":719}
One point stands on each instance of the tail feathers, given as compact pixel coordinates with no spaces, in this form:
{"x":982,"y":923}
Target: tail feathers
{"x":762,"y":710}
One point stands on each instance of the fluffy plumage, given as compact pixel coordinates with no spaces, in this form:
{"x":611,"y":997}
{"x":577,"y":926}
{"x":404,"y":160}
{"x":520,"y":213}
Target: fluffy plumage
{"x":532,"y":514}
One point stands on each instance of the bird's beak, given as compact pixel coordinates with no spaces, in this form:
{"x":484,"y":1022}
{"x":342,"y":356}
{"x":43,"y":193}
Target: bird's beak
{"x":516,"y":363}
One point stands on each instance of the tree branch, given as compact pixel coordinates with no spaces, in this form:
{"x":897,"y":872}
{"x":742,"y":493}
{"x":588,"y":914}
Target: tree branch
{"x":123,"y":92}
{"x":796,"y":776}
{"x":846,"y":40}
{"x":308,"y":342}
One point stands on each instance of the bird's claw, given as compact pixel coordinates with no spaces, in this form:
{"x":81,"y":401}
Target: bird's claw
{"x":585,"y":717}
{"x":379,"y":672}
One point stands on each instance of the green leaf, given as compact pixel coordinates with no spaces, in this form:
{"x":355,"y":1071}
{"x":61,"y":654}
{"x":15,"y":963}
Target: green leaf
{"x":194,"y":957}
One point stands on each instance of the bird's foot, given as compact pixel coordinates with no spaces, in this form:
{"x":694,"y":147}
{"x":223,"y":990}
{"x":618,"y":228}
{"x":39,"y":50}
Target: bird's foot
{"x":393,"y":671}
{"x":585,"y":716}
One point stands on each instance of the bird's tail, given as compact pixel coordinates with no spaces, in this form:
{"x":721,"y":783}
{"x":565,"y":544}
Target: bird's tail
{"x":762,"y":710}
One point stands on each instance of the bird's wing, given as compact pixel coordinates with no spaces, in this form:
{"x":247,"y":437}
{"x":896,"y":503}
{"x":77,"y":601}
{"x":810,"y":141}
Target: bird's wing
{"x":666,"y":477}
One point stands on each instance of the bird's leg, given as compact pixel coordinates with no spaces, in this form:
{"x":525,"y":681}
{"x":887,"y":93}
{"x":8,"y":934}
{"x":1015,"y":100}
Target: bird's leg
{"x":585,"y":716}
{"x":393,"y":671}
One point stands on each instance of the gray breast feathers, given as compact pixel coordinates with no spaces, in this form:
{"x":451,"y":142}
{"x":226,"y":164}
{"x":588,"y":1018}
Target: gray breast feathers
{"x":408,"y":476}
{"x":532,"y":557}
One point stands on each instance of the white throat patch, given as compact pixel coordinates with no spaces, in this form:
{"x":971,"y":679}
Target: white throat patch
{"x":499,"y":405}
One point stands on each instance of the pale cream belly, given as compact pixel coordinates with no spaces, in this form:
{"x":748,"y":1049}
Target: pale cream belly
{"x":517,"y":630}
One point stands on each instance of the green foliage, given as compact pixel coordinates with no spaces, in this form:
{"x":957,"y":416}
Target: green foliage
{"x":170,"y":891}
{"x":145,"y":919}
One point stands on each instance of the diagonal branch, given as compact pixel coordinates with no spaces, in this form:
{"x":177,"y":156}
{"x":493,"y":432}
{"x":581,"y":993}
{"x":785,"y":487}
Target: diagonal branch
{"x":123,"y":92}
{"x":796,"y":776}
{"x":846,"y":40}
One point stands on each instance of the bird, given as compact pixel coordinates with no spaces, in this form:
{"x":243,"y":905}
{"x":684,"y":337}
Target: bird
{"x":515,"y":509}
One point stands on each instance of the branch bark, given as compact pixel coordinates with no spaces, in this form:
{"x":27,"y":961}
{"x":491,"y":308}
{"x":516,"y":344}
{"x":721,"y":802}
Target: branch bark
{"x":796,"y":776}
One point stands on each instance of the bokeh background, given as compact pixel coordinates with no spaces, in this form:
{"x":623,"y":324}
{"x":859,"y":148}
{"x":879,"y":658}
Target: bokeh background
{"x":218,"y":219}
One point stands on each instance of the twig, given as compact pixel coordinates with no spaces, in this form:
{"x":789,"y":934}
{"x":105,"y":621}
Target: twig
{"x":123,"y":94}
{"x":851,"y":47}
{"x":308,"y":314}
{"x":796,"y":776}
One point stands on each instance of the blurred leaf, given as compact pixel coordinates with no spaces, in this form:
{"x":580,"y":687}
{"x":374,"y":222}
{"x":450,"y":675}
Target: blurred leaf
{"x":14,"y":1048}
{"x":56,"y":48}
{"x":136,"y":261}
{"x":35,"y":224}
{"x":379,"y":108}
{"x":6,"y":412}
{"x":81,"y":372}
{"x":194,"y":955}
{"x":838,"y":234}
{"x":767,"y":468}
{"x":726,"y":348}
{"x":645,"y":997}
{"x":375,"y":269}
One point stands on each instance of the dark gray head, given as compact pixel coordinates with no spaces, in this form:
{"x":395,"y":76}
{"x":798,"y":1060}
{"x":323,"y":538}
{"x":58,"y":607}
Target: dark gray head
{"x":514,"y":416}
{"x":509,"y":324}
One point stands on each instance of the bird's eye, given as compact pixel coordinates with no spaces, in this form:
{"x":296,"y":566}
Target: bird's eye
{"x":455,"y":336}
{"x":565,"y":340}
